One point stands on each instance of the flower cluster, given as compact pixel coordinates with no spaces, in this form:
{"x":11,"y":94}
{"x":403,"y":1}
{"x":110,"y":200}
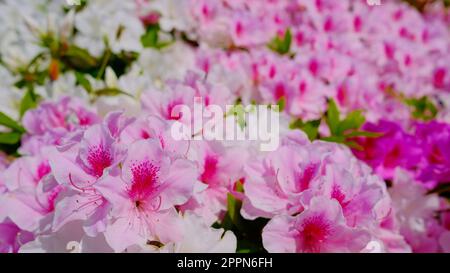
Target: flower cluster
{"x":91,"y":92}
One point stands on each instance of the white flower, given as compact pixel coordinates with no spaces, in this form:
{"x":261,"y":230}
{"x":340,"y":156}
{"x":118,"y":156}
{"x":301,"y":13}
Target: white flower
{"x":114,"y":20}
{"x":21,"y":22}
{"x":171,"y":62}
{"x":175,"y":14}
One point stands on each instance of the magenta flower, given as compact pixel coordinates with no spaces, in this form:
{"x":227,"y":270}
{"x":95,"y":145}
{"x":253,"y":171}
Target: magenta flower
{"x":394,"y":148}
{"x":434,"y":139}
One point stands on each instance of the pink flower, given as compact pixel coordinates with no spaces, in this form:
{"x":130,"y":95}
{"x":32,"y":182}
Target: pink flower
{"x":31,"y":193}
{"x":319,"y":228}
{"x":220,"y":168}
{"x":48,"y":123}
{"x":415,"y":212}
{"x":284,"y":180}
{"x":154,"y":127}
{"x":12,"y":237}
{"x":144,"y":195}
{"x":78,"y":166}
{"x":274,"y":183}
{"x":162,"y":104}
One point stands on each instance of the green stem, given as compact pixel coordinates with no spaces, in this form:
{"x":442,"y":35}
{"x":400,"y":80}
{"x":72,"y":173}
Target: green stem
{"x":104,"y":63}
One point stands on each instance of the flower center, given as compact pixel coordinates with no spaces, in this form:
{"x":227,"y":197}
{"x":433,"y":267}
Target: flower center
{"x":99,"y":159}
{"x":312,"y":233}
{"x":144,"y":179}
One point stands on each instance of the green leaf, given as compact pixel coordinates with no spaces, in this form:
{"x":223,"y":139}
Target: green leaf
{"x":337,"y":139}
{"x":422,"y":108}
{"x":10,"y":138}
{"x":29,"y":101}
{"x":111,"y":92}
{"x":120,"y":62}
{"x":354,"y":145}
{"x":248,"y":232}
{"x":333,"y":118}
{"x":342,"y":131}
{"x":281,"y":45}
{"x":233,"y":206}
{"x":150,"y":37}
{"x":311,"y":128}
{"x":363,"y":134}
{"x":281,"y":104}
{"x":10,"y":123}
{"x":79,"y":58}
{"x":352,"y":121}
{"x":81,"y":80}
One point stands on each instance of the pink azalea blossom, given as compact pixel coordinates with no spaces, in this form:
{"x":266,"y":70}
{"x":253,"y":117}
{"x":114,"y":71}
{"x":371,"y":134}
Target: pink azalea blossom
{"x":143,"y":196}
{"x":415,"y":213}
{"x":47,"y":124}
{"x":319,"y":228}
{"x":76,"y":176}
{"x":219,"y":169}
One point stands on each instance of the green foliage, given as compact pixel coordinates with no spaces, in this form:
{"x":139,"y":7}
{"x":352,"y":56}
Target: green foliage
{"x":10,"y":123}
{"x":71,"y":58}
{"x":282,"y":45}
{"x":150,"y":39}
{"x":10,"y":141}
{"x":63,"y":56}
{"x":333,"y":118}
{"x":311,"y":128}
{"x":247,"y":232}
{"x":28,"y":101}
{"x":353,"y":121}
{"x":77,"y":58}
{"x":81,"y":80}
{"x":120,"y":62}
{"x":110,"y":92}
{"x":342,"y":130}
{"x":10,"y":138}
{"x":30,"y":79}
{"x":422,"y":108}
{"x":281,"y":104}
